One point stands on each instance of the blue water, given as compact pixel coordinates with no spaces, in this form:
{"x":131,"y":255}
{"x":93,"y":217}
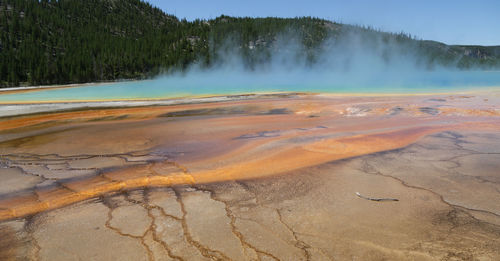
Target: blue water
{"x":221,"y":83}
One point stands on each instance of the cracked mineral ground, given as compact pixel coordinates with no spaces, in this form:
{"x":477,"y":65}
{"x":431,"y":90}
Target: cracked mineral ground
{"x":267,"y":177}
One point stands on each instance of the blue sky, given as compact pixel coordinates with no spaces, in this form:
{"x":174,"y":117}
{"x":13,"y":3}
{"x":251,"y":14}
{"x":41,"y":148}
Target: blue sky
{"x":452,"y":22}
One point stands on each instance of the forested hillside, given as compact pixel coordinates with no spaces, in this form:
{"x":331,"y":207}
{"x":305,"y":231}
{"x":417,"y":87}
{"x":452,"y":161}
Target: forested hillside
{"x":69,"y":41}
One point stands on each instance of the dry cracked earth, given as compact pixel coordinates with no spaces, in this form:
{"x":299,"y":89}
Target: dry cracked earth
{"x":255,"y":180}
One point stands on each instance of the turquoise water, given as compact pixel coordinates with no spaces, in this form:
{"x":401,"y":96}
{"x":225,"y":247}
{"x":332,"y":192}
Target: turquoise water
{"x":221,"y":83}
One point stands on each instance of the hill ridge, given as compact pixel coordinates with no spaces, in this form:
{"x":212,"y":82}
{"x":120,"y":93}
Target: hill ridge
{"x":61,"y":42}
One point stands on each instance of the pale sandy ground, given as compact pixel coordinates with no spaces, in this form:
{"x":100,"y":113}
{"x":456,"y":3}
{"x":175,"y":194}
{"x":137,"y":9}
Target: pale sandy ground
{"x":15,"y":109}
{"x":265,"y":179}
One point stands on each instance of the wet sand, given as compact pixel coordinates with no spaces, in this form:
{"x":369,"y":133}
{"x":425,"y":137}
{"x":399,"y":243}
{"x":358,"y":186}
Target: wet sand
{"x":263,"y":178}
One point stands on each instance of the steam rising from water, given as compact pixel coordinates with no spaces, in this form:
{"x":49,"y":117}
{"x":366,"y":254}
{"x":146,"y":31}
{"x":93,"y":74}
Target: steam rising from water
{"x":353,"y":63}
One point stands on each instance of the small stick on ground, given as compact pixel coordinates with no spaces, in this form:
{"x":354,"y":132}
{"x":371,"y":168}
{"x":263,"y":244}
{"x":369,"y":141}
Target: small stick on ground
{"x":376,"y":199}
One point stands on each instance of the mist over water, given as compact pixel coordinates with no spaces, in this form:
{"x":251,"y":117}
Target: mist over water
{"x":352,"y":63}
